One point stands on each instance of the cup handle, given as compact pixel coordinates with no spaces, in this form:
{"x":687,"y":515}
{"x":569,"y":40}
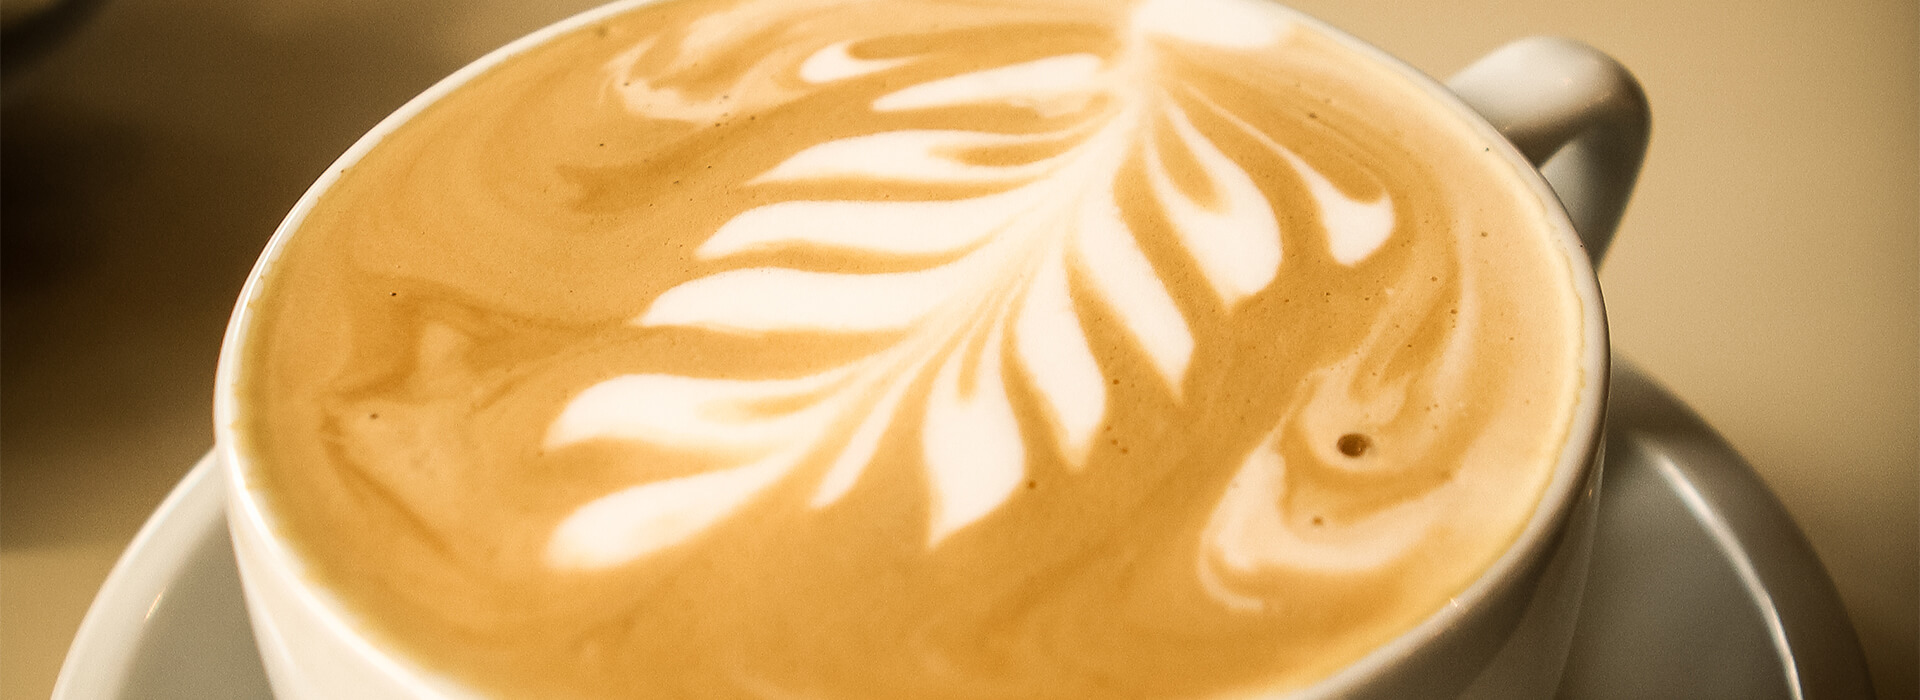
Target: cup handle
{"x":1576,"y":114}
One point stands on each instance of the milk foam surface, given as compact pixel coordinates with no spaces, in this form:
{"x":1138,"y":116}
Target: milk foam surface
{"x":914,"y":349}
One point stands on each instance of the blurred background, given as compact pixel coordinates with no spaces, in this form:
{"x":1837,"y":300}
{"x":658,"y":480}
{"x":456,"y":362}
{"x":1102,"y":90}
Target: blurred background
{"x":1767,"y":272}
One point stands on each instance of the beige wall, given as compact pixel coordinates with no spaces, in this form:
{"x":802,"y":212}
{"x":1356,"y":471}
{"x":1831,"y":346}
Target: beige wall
{"x":1766,"y":272}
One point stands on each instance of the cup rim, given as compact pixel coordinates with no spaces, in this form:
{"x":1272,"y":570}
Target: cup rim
{"x":1577,"y":458}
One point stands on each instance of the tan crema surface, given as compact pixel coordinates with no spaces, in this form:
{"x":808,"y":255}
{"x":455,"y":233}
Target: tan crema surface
{"x":1387,"y":411}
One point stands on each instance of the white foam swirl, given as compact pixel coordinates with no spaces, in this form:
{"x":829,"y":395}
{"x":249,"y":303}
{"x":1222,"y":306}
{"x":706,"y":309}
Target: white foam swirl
{"x":834,"y":63}
{"x":1251,"y":532}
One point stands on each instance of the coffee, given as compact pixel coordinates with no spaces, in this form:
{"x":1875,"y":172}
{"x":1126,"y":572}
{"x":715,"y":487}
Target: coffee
{"x":931,"y":349}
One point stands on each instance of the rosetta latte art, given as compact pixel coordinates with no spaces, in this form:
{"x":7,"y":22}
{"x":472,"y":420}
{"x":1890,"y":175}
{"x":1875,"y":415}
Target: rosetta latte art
{"x":932,"y":349}
{"x":1002,"y":286}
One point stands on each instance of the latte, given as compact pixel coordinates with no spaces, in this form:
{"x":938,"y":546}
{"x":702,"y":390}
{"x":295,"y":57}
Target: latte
{"x":916,"y":349}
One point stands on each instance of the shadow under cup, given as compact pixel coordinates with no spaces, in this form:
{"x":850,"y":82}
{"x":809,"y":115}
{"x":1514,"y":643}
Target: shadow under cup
{"x":1505,"y":635}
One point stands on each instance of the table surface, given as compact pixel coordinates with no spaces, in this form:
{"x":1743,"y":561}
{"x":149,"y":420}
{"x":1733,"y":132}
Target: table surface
{"x":1768,"y":271}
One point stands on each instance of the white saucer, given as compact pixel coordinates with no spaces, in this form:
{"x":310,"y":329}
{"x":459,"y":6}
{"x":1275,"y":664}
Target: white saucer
{"x":1700,"y":585}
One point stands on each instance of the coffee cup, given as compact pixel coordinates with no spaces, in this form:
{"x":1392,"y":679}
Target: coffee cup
{"x":936,"y":349}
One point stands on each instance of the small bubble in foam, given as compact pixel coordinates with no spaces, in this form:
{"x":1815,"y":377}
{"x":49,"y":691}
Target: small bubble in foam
{"x":1354,"y":444}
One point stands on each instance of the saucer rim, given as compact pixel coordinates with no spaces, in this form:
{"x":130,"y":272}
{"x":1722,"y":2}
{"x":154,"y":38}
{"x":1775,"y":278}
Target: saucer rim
{"x":102,"y":651}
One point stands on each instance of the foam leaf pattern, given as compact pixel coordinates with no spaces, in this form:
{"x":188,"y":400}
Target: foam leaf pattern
{"x":1073,"y":390}
{"x":971,"y":443}
{"x":990,"y":296}
{"x":1029,"y":84}
{"x":870,"y":227}
{"x":1237,"y":243}
{"x":904,"y":156}
{"x":770,"y":299}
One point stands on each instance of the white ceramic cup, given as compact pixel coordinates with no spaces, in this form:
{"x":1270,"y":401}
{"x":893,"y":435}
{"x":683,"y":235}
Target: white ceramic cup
{"x":1563,"y":107}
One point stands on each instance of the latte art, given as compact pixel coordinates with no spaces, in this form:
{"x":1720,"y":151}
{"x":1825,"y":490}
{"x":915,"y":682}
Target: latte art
{"x":929,"y":349}
{"x":985,"y":280}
